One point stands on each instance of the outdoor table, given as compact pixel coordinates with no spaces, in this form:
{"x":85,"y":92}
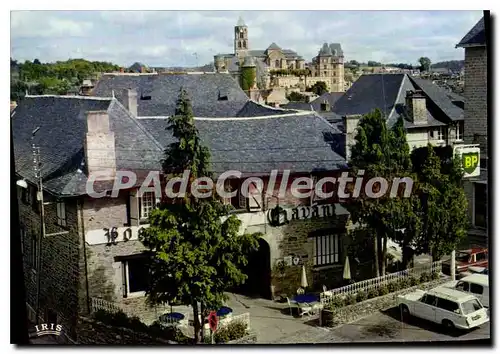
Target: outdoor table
{"x":306,"y":298}
{"x":224,"y":311}
{"x":175,"y":316}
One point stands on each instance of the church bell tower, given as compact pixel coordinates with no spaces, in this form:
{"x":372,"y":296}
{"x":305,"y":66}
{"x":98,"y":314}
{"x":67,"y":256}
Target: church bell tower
{"x":240,"y":39}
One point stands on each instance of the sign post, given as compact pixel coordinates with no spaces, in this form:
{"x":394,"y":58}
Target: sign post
{"x":213,"y":321}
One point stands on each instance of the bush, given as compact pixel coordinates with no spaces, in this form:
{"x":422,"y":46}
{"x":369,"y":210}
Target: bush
{"x":435,"y":276}
{"x":337,"y":302}
{"x":372,"y":293}
{"x":234,"y":330}
{"x":393,"y":286}
{"x":414,"y":281}
{"x":404,"y":283}
{"x":425,"y":277}
{"x":351,"y":299}
{"x":361,"y":296}
{"x":383,"y":290}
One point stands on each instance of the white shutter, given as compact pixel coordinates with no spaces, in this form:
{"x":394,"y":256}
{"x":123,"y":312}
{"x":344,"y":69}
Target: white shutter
{"x":255,"y":197}
{"x":134,"y":208}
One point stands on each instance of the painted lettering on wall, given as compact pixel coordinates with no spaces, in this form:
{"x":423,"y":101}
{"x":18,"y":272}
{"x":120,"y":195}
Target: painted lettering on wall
{"x":279,"y":216}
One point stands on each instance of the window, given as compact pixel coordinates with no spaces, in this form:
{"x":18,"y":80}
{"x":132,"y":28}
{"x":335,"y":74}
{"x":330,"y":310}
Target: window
{"x":459,"y":131}
{"x":448,"y":305}
{"x":324,"y":73}
{"x":480,"y":207}
{"x":239,"y":45}
{"x":471,"y":306}
{"x":33,"y":258}
{"x":476,"y":289}
{"x":61,"y":214}
{"x":480,"y":257}
{"x":277,"y":63}
{"x":146,"y":203}
{"x":430,"y":300}
{"x":440,"y":133}
{"x":242,"y":35}
{"x":326,"y":249}
{"x":136,"y":275}
{"x":463,"y":286}
{"x":244,"y":44}
{"x":325,"y":67}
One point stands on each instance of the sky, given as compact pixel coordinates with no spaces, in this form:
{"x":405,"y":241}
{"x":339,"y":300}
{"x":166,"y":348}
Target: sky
{"x":191,"y":38}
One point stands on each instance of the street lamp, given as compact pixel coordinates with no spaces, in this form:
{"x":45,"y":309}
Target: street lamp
{"x":22,"y":183}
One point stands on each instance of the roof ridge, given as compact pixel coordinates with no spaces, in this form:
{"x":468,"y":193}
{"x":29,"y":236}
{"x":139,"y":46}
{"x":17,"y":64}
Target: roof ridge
{"x":136,"y":121}
{"x":397,"y":97}
{"x":97,"y":98}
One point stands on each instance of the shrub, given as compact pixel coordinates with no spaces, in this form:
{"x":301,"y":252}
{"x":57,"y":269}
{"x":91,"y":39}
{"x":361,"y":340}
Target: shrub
{"x":234,"y":330}
{"x":404,"y":283}
{"x":383,"y":290}
{"x":425,"y":277}
{"x":372,"y":293}
{"x":414,"y":281}
{"x":351,"y":299}
{"x":393,"y":286}
{"x":435,"y":275}
{"x":337,"y":302}
{"x":361,"y":296}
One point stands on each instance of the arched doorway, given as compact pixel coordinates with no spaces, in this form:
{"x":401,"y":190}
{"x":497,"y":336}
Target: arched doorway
{"x":258,"y":271}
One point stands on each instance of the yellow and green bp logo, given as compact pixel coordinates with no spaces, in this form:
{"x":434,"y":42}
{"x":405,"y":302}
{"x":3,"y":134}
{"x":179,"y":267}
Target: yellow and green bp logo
{"x":470,"y":161}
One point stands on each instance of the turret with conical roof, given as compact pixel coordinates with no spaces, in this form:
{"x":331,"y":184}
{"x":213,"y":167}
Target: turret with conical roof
{"x":240,"y":22}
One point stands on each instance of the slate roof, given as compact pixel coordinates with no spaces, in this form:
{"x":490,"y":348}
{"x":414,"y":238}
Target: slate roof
{"x":476,"y":36}
{"x":204,"y":91}
{"x":301,"y":143}
{"x":273,"y":46}
{"x":330,"y":97}
{"x":301,"y":106}
{"x":61,"y":136}
{"x":387,"y":92}
{"x":334,"y":49}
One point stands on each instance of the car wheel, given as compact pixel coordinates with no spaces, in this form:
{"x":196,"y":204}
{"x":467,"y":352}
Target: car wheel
{"x":405,"y":312}
{"x":448,"y":325}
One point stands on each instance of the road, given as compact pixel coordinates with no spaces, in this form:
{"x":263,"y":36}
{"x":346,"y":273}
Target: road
{"x":387,"y":326}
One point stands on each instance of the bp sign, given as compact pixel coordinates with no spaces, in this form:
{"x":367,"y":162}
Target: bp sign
{"x":469,"y":157}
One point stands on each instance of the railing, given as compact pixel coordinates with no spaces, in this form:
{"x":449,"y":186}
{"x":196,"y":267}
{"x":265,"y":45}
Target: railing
{"x":376,"y":283}
{"x":101,"y":304}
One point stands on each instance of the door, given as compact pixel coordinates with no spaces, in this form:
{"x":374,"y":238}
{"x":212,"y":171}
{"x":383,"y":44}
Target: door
{"x":427,"y":308}
{"x":448,"y":310}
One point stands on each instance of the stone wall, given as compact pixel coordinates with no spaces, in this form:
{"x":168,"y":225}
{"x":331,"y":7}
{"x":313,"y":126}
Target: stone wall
{"x":251,"y":338}
{"x":60,"y":260}
{"x":94,"y":332}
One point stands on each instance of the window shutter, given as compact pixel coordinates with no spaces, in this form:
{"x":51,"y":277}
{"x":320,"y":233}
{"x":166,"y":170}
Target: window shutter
{"x":255,"y":197}
{"x":134,"y":208}
{"x":124,"y":277}
{"x":242,"y":200}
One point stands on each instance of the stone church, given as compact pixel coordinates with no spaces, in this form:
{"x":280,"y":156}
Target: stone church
{"x":328,"y":66}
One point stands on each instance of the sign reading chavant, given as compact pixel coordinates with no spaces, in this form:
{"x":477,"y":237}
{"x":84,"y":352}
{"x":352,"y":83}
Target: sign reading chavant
{"x":469,"y":156}
{"x":279,"y":216}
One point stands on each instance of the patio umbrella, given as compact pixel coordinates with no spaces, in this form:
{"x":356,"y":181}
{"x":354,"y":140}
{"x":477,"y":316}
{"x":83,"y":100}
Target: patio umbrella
{"x":303,"y":281}
{"x":347,"y":269}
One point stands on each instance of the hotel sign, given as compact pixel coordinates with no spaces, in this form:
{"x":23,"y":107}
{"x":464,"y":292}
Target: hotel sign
{"x":279,"y":216}
{"x":469,"y":157}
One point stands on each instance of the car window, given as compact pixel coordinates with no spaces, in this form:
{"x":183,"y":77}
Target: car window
{"x":476,"y":289}
{"x":471,"y":306}
{"x":430,"y":300}
{"x":463,"y":286}
{"x":462,"y":257}
{"x":448,"y":305}
{"x":480,"y":256}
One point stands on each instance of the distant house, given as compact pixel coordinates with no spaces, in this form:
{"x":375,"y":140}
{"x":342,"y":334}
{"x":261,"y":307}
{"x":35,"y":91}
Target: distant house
{"x":429,"y":114}
{"x":138,"y":68}
{"x":476,"y":125}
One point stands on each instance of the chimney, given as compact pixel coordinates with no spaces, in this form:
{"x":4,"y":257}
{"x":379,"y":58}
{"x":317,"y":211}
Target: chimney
{"x":416,"y":107}
{"x":130,"y":101}
{"x":100,"y":155}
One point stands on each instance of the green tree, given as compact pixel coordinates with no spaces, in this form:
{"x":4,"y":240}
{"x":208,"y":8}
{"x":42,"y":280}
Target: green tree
{"x":425,"y":63}
{"x":318,"y":88}
{"x":197,"y":253}
{"x":295,"y":96}
{"x":248,"y":77}
{"x":443,"y":204}
{"x":384,"y":153}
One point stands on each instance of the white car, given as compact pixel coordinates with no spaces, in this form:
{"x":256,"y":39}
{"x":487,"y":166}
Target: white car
{"x":449,"y":307}
{"x":475,"y":284}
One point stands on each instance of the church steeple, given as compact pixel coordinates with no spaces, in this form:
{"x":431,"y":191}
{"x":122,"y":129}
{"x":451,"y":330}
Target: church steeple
{"x":240,"y":38}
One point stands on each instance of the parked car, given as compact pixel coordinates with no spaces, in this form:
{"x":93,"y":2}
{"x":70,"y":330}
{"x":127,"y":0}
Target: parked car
{"x":475,"y":284}
{"x":473,"y":270}
{"x":477,"y":257}
{"x":451,"y":308}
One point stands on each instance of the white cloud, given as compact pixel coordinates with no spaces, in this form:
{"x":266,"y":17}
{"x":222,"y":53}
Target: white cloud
{"x":169,"y":38}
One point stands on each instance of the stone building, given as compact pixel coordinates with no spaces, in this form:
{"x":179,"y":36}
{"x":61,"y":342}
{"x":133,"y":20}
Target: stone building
{"x":122,"y":127}
{"x":430,"y":115}
{"x":476,"y":126}
{"x":328,"y":65}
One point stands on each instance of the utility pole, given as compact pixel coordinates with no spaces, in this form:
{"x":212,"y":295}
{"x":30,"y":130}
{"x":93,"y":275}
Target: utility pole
{"x":18,"y":317}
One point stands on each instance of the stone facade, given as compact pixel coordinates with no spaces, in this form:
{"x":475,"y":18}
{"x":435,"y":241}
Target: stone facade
{"x":476,"y":125}
{"x":62,"y":260}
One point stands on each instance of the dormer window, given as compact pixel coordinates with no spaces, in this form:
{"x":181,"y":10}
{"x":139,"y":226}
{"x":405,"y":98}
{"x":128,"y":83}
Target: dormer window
{"x":146,"y":98}
{"x":223,"y":95}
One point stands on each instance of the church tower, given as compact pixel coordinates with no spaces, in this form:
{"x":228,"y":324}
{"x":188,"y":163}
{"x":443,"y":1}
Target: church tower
{"x":240,"y":39}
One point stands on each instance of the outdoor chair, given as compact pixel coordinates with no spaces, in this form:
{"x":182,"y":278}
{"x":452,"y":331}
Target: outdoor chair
{"x":305,"y":309}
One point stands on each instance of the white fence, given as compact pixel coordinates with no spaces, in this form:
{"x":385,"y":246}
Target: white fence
{"x":376,"y":283}
{"x":97,"y":304}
